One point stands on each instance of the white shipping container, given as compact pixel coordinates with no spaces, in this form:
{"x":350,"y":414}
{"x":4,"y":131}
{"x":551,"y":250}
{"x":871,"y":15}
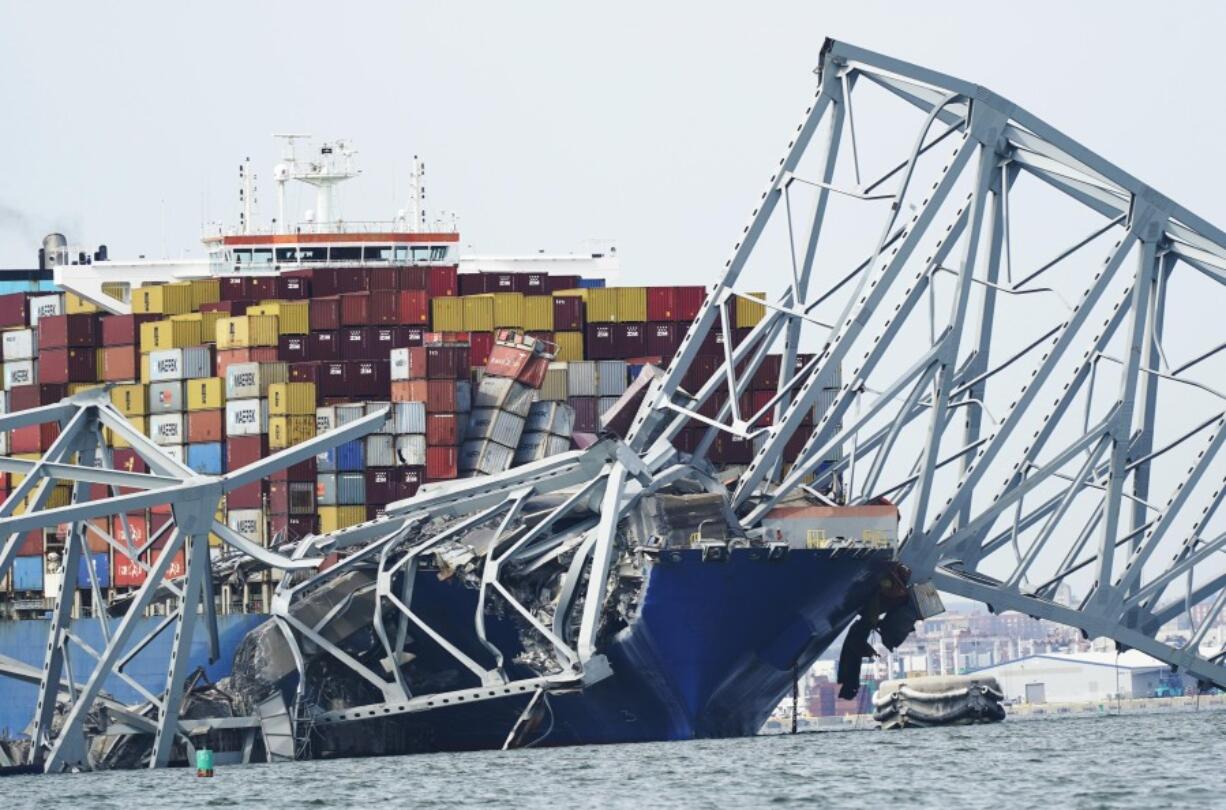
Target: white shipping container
{"x":581,"y":378}
{"x":167,"y":428}
{"x":411,"y":450}
{"x":42,"y":306}
{"x":399,"y":364}
{"x":20,"y":344}
{"x":389,"y":424}
{"x":505,"y":394}
{"x":463,"y":396}
{"x":166,"y":397}
{"x":380,"y":450}
{"x":484,"y":457}
{"x":175,"y":451}
{"x":498,"y":426}
{"x":20,"y":372}
{"x":349,"y":412}
{"x":249,"y":523}
{"x":537,"y":446}
{"x":180,"y":364}
{"x":325,"y":418}
{"x":610,"y":378}
{"x":408,"y":417}
{"x":251,"y":380}
{"x":557,"y":418}
{"x":246,"y":417}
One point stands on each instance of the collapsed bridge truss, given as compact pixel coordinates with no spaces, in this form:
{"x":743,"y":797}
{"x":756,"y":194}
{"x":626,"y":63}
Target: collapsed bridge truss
{"x":1000,"y":331}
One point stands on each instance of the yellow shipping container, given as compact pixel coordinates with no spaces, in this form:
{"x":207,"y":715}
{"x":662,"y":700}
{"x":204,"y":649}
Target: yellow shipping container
{"x":76,"y":305}
{"x":291,"y":399}
{"x":163,"y":299}
{"x":749,"y":311}
{"x":538,"y":313}
{"x":206,"y":394}
{"x":602,"y":305}
{"x":113,"y":439}
{"x":335,"y":518}
{"x":144,"y":368}
{"x":293,"y":317}
{"x":631,"y":304}
{"x":208,"y":325}
{"x":508,"y":310}
{"x":169,"y":334}
{"x":61,"y":495}
{"x":205,"y":291}
{"x":478,"y":313}
{"x":17,"y":478}
{"x":246,"y":331}
{"x":131,"y":400}
{"x":448,"y":314}
{"x":78,"y":387}
{"x":286,"y":431}
{"x":116,"y":289}
{"x":570,"y":346}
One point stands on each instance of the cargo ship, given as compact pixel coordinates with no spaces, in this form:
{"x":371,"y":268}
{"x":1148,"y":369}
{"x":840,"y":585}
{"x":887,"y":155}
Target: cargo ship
{"x":287,"y":330}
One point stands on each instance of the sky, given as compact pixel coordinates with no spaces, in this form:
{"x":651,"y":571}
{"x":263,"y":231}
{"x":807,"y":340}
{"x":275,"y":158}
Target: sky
{"x":544,"y":124}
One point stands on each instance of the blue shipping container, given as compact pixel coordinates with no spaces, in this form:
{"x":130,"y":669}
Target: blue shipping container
{"x":28,"y":573}
{"x":351,"y":456}
{"x":590,"y":283}
{"x":205,"y":458}
{"x":101,"y":570}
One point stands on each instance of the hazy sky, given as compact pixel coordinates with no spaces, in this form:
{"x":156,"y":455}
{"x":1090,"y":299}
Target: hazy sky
{"x":542,"y":124}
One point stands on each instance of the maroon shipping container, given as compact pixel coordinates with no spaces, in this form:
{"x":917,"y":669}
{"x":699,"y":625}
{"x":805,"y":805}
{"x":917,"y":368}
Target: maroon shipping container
{"x":441,"y":463}
{"x":375,"y":511}
{"x":663,"y":339}
{"x":231,"y":309}
{"x":447,"y":362}
{"x":354,"y":343}
{"x":766,"y":378}
{"x":562,"y":283}
{"x":295,"y":285}
{"x":302,"y":471}
{"x":368,"y":378}
{"x":63,"y":331}
{"x":687,"y":301}
{"x":14,"y":310}
{"x":293,"y":527}
{"x":325,"y":314}
{"x":471,"y":283}
{"x":67,"y":365}
{"x":248,"y":496}
{"x":355,"y":309}
{"x":442,"y":429}
{"x":480,"y":345}
{"x":325,"y":281}
{"x":415,"y":335}
{"x":385,"y":338}
{"x":33,"y":438}
{"x":241,"y":451}
{"x":262,"y":288}
{"x":305,"y":372}
{"x":384,"y":307}
{"x":440,"y":395}
{"x":500,"y":282}
{"x":700,"y":370}
{"x":206,"y":426}
{"x":567,"y":313}
{"x":325,"y":345}
{"x":234,"y":288}
{"x":24,"y":397}
{"x":587,"y":414}
{"x":441,"y":281}
{"x":600,"y":342}
{"x":532,"y":283}
{"x":631,"y":339}
{"x":294,"y":348}
{"x":278,"y":497}
{"x":384,"y":278}
{"x":411,"y":277}
{"x":350,"y":280}
{"x":124,"y":330}
{"x":332,"y":380}
{"x":408,"y":481}
{"x":414,"y":308}
{"x":381,"y":485}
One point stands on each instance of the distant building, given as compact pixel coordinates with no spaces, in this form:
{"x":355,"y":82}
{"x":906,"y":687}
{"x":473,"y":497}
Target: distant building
{"x":1084,"y":676}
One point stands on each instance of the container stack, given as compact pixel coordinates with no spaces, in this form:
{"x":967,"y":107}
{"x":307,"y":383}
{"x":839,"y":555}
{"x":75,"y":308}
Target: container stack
{"x":516,"y":368}
{"x":438,"y":375}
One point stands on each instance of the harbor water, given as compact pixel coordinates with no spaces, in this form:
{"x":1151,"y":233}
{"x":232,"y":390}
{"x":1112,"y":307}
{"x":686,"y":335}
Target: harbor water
{"x":1109,"y":761}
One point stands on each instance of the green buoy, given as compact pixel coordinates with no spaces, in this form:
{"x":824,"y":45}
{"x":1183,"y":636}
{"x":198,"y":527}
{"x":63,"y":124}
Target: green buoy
{"x":204,"y":762}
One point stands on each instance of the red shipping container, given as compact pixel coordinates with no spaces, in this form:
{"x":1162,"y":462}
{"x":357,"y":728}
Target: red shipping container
{"x":262,"y":288}
{"x":14,"y":310}
{"x":383,"y":307}
{"x":64,"y":331}
{"x":414,"y":308}
{"x":384,"y":278}
{"x":661,"y":303}
{"x":355,"y":309}
{"x":481,"y":344}
{"x":600,"y":342}
{"x":442,"y":429}
{"x":325,"y":345}
{"x":305,"y":372}
{"x":368,"y":378}
{"x":120,"y":330}
{"x":295,"y":285}
{"x":508,"y":361}
{"x":24,"y":397}
{"x":766,"y":378}
{"x":31,"y":544}
{"x":662,"y":340}
{"x":440,"y":396}
{"x":355,"y":344}
{"x":447,"y":361}
{"x":350,"y":280}
{"x":325,"y":281}
{"x":248,"y":496}
{"x":324,"y":314}
{"x":126,"y":572}
{"x":332,"y":380}
{"x":411,"y":277}
{"x":33,"y":438}
{"x":156,"y":521}
{"x":278,"y":496}
{"x":234,"y":288}
{"x":120,"y":363}
{"x":205,"y":426}
{"x":441,"y":463}
{"x":408,"y":481}
{"x":441,"y":281}
{"x":259,"y":354}
{"x":567,"y":313}
{"x":294,"y":348}
{"x":138,"y":530}
{"x":404,"y":391}
{"x":381,"y":485}
{"x":417,"y":363}
{"x":686,"y":302}
{"x":534,"y":373}
{"x":244,"y":450}
{"x":67,"y":365}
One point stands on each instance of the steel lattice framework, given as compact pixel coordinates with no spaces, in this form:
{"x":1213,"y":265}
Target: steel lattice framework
{"x":1042,"y":408}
